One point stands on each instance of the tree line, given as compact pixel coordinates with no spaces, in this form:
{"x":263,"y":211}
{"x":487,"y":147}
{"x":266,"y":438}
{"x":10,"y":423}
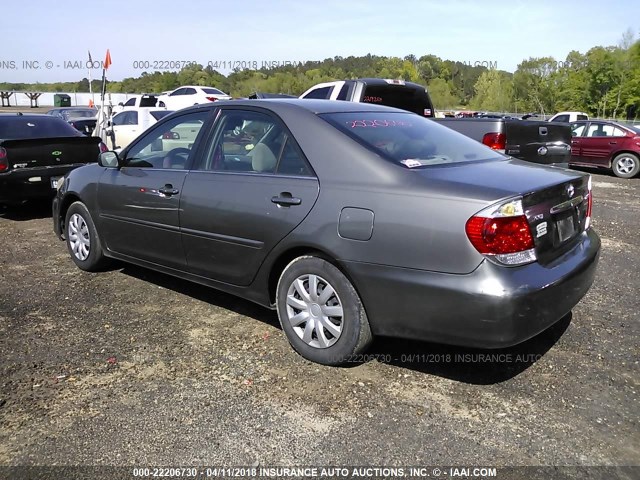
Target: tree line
{"x":604,"y":81}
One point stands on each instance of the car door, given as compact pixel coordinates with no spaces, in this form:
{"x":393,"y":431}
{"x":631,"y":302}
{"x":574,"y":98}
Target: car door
{"x":190,"y":97}
{"x":250,"y":188}
{"x":598,"y":144}
{"x":578,"y":131}
{"x":139,"y":203}
{"x":126,"y":127}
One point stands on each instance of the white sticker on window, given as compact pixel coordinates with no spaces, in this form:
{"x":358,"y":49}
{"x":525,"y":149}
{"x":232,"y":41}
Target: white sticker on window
{"x":409,"y":162}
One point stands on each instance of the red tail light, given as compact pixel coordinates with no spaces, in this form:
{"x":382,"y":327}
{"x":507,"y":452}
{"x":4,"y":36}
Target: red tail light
{"x":212,"y":99}
{"x":500,"y":235}
{"x":4,"y":162}
{"x":103,"y":147}
{"x":502,"y":232}
{"x":495,"y":141}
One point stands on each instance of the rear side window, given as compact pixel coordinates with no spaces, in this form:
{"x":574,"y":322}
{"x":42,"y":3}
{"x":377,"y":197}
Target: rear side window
{"x":46,"y":127}
{"x":409,"y":140}
{"x":582,"y":117}
{"x":213,"y":91}
{"x":320,"y":93}
{"x":412,"y":99}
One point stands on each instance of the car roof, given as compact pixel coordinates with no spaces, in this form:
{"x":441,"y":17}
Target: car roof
{"x":73,"y":108}
{"x":311,"y":105}
{"x":32,"y":116}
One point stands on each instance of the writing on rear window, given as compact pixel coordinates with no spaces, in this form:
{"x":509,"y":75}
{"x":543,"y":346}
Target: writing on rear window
{"x":369,"y":99}
{"x":377,"y":123}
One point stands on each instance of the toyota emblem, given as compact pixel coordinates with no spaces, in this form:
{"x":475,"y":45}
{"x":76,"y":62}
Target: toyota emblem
{"x":570,"y":190}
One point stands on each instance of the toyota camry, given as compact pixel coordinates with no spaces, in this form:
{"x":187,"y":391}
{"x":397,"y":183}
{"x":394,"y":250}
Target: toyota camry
{"x":351,"y":220}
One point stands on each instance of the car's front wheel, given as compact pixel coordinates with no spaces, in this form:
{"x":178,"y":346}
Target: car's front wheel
{"x":321,"y":312}
{"x":82,"y":239}
{"x":626,"y":165}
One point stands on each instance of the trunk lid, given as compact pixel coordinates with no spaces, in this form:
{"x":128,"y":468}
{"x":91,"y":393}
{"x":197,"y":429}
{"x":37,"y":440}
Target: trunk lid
{"x":555,"y":200}
{"x":50,"y":152}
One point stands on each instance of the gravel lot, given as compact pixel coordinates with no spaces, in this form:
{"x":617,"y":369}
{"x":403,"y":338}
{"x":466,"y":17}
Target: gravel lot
{"x":131,"y":367}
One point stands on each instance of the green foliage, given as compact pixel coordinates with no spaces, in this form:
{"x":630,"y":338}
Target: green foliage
{"x":605,"y":81}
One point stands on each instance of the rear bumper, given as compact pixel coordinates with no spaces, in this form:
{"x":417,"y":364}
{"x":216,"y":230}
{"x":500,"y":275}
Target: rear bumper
{"x":492,"y":307}
{"x":23,"y":184}
{"x":57,"y":221}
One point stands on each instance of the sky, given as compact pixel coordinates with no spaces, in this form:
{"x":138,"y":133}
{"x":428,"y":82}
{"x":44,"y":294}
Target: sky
{"x":49,"y":41}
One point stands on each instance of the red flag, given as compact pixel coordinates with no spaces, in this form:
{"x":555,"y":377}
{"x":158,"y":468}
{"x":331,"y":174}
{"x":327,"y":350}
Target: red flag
{"x":107,"y":60}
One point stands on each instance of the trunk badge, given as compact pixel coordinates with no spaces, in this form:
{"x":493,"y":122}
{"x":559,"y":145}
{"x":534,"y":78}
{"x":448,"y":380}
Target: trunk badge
{"x":56,"y":153}
{"x":570,"y":190}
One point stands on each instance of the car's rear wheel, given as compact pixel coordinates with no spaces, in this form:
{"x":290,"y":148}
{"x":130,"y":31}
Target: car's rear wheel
{"x":321,"y":312}
{"x":82,"y":239}
{"x":626,"y":165}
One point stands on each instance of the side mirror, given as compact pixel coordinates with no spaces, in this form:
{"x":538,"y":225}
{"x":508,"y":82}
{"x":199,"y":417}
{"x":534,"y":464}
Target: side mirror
{"x":109,"y":160}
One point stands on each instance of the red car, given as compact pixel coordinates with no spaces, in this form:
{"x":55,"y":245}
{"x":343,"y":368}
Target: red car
{"x":599,"y":143}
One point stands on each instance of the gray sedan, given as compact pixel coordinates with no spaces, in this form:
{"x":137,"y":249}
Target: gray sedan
{"x":350,"y":220}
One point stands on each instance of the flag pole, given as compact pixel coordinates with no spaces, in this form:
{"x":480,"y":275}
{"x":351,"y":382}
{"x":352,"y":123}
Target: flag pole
{"x":93,"y":100}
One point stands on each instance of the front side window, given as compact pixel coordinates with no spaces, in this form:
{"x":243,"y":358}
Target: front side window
{"x":130,"y":103}
{"x":168,"y":145}
{"x":253,"y":142}
{"x":577,"y":129}
{"x":126,"y":118}
{"x":409,"y":140}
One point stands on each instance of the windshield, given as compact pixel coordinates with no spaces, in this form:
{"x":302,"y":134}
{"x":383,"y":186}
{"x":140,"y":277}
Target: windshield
{"x":409,"y":140}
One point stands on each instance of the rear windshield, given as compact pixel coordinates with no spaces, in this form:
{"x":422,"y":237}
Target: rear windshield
{"x":25,"y":127}
{"x":148,"y":101}
{"x":80,"y":113}
{"x":161,"y":114}
{"x":409,"y":140}
{"x":213,"y":91}
{"x":404,"y":97}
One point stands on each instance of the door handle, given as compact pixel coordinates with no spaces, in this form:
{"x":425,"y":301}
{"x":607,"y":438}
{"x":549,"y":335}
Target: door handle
{"x":612,"y":143}
{"x":285,"y":199}
{"x":168,"y":190}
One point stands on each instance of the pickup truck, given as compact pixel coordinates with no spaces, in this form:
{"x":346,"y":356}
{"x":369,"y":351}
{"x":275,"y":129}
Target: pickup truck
{"x":392,"y":93}
{"x":539,"y":142}
{"x":36,"y":151}
{"x":534,"y":141}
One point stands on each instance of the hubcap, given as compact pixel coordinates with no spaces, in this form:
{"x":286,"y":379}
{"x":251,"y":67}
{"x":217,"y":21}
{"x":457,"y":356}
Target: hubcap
{"x":314,"y":310}
{"x":625,"y":165}
{"x":78,"y":234}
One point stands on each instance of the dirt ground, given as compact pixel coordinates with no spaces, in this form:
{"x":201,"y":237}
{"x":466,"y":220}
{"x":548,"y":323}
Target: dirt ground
{"x":131,"y":367}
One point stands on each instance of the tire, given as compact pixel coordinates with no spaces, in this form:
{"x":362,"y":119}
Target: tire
{"x":82,"y":239}
{"x":626,"y":165}
{"x":302,"y":308}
